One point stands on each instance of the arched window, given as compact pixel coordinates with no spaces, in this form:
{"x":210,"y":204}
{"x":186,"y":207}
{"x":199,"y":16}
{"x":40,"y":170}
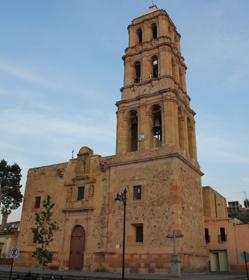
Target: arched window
{"x":157,"y":122}
{"x":154,"y":30}
{"x":154,"y":67}
{"x":134,"y":130}
{"x":137,"y":71}
{"x":140,"y":35}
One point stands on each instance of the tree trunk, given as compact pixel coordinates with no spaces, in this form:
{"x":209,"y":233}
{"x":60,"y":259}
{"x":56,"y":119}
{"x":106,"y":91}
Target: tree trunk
{"x":4,"y":221}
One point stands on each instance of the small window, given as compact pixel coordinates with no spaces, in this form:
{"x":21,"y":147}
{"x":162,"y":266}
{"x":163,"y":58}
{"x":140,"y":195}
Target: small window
{"x":34,"y":238}
{"x":139,"y":233}
{"x":223,"y":236}
{"x":137,"y":193}
{"x":140,"y":35}
{"x":207,"y":237}
{"x":81,"y":191}
{"x":137,"y":71}
{"x":1,"y":248}
{"x":154,"y":30}
{"x":154,"y":66}
{"x":37,"y":202}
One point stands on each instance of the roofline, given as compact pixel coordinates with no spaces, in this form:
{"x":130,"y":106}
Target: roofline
{"x":209,"y":187}
{"x":49,"y":165}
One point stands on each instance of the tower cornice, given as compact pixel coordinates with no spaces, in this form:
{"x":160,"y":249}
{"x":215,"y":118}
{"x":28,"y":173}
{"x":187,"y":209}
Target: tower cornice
{"x":158,"y":93}
{"x":127,"y":161}
{"x":132,"y":51}
{"x":148,"y":17}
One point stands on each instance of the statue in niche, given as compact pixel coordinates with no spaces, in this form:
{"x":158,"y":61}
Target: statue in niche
{"x":91,"y":190}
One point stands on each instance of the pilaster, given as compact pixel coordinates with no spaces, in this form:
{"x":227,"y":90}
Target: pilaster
{"x":170,"y":117}
{"x":128,"y":71}
{"x":122,"y":132}
{"x":145,"y":124}
{"x":185,"y":135}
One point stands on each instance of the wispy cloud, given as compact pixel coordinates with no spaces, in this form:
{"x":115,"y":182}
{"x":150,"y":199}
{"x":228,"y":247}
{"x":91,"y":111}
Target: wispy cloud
{"x":28,"y":123}
{"x":24,"y":74}
{"x":19,"y":73}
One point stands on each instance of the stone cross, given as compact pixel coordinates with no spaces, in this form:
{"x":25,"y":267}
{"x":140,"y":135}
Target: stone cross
{"x":174,"y":236}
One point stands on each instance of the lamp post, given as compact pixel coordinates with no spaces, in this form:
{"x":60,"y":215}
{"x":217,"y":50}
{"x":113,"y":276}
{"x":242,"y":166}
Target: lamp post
{"x":122,"y":197}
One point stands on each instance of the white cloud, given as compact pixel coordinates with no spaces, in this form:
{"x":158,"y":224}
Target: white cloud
{"x":15,"y":122}
{"x":42,"y":139}
{"x":21,"y":72}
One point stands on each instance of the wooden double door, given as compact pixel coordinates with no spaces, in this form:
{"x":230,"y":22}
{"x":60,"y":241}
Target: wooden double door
{"x":77,"y":248}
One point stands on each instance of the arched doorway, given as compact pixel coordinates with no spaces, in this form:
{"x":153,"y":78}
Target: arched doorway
{"x":77,"y":248}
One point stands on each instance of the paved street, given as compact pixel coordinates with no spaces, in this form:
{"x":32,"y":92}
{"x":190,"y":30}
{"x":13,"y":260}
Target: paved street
{"x":71,"y":275}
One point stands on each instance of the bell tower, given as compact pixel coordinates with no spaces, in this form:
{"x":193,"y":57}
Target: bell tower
{"x":155,"y":157}
{"x":154,"y":111}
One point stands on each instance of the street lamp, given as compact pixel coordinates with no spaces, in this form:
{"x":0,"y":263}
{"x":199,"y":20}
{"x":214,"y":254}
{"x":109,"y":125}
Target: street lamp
{"x":122,"y":197}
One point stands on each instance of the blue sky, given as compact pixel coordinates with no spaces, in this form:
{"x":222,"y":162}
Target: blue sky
{"x":61,"y":71}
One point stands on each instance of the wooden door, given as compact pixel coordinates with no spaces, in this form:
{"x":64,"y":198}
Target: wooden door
{"x":77,"y":248}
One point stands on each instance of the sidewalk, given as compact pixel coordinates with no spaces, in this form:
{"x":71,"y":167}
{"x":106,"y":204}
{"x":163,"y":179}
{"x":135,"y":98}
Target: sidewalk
{"x":114,"y":276}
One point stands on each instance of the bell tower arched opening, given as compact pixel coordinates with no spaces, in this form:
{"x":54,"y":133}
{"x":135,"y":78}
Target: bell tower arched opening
{"x":154,"y":30}
{"x":137,"y":71}
{"x":134,"y":130}
{"x":157,"y":124}
{"x":139,"y":35}
{"x":154,"y":66}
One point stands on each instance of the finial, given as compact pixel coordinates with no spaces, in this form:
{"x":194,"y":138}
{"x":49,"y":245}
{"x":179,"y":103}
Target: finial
{"x":72,"y":154}
{"x":152,"y":4}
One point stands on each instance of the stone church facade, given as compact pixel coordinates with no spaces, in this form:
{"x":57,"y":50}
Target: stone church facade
{"x":155,"y":161}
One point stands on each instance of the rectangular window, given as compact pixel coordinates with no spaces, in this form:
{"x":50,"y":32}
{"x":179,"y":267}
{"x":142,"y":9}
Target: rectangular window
{"x":223,"y":236}
{"x":139,"y":233}
{"x":33,"y":235}
{"x":37,"y":202}
{"x":137,"y":193}
{"x":81,"y":191}
{"x":207,"y":237}
{"x":1,"y":248}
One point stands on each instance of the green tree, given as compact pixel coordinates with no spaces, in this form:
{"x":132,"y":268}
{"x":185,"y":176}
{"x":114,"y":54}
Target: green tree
{"x":10,"y":194}
{"x":44,"y":233}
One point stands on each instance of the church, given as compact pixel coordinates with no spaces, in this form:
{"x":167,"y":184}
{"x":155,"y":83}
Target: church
{"x":155,"y":161}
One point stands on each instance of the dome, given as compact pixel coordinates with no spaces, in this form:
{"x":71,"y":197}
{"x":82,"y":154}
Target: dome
{"x":85,"y":151}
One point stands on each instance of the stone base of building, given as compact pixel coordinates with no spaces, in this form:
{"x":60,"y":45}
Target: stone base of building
{"x":149,"y":263}
{"x":134,"y":263}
